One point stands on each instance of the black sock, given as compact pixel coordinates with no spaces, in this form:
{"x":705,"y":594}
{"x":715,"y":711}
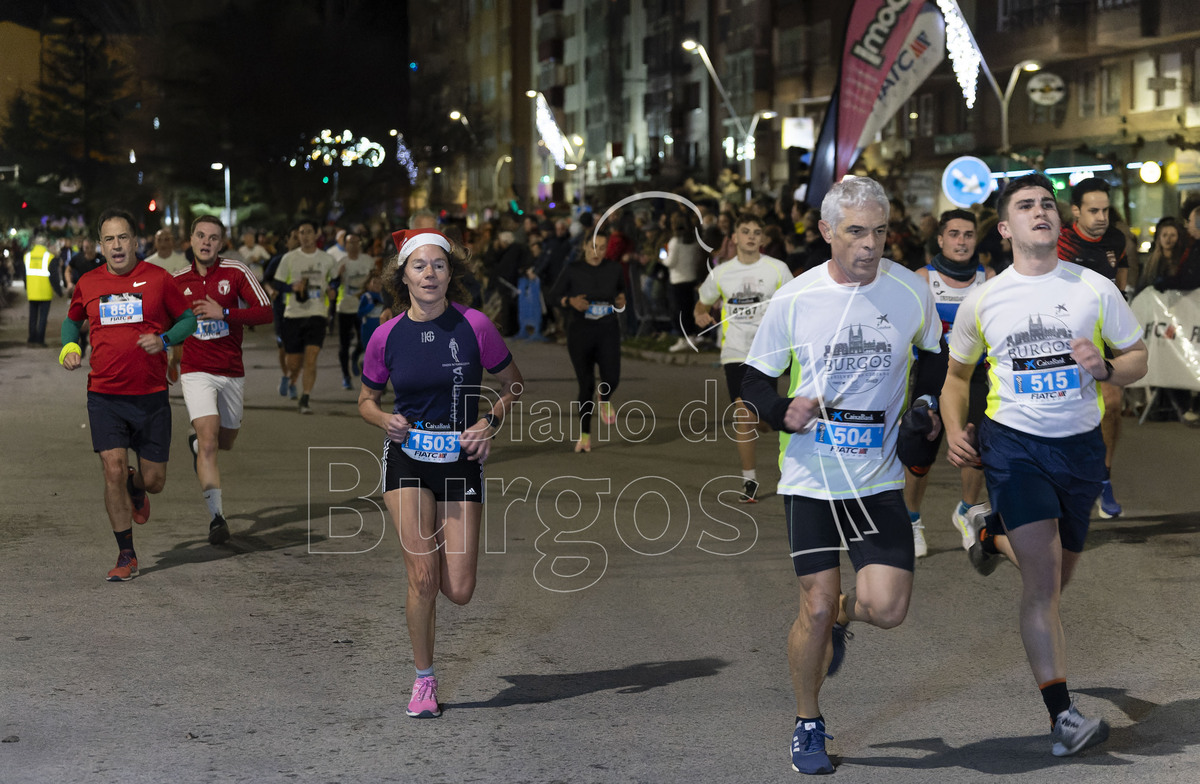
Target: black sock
{"x":137,"y":494}
{"x":303,"y":401}
{"x":1056,"y":697}
{"x":125,"y":540}
{"x":987,"y":540}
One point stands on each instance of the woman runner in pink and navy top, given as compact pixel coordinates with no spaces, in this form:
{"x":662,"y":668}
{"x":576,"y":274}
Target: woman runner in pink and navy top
{"x":434,"y":355}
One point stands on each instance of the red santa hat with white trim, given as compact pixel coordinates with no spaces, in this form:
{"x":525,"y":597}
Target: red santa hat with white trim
{"x":408,"y":240}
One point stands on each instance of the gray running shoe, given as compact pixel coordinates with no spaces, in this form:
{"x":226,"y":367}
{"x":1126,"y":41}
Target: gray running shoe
{"x":1073,"y":733}
{"x":979,"y":517}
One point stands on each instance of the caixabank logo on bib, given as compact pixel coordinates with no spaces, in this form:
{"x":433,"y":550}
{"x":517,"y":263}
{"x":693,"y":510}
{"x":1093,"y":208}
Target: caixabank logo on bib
{"x":858,"y":359}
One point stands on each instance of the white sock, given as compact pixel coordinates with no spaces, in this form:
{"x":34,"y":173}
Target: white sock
{"x":213,"y":499}
{"x":750,"y":474}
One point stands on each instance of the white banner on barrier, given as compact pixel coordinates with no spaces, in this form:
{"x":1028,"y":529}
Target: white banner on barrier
{"x":1171,"y":328}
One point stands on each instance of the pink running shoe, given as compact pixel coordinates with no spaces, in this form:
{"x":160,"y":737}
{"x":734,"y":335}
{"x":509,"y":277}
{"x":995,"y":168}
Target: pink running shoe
{"x":608,"y":414}
{"x":424,"y":702}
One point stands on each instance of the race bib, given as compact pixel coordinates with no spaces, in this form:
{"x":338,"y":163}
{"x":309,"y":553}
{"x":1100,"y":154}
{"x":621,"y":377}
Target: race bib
{"x":314,"y":292}
{"x":211,"y":329}
{"x":853,"y":435}
{"x":431,"y":447}
{"x":598,"y":310}
{"x":1046,"y":378}
{"x":741,"y":313}
{"x":120,"y":309}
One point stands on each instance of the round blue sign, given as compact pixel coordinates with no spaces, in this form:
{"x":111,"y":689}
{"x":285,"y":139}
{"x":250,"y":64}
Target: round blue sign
{"x":966,"y":181}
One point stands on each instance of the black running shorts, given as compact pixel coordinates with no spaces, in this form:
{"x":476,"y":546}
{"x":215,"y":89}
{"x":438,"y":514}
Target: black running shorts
{"x":461,"y":480}
{"x":300,"y":333}
{"x":876,"y":532}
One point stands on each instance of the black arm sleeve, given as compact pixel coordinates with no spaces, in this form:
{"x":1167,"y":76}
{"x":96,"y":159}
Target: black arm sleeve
{"x":759,"y":395}
{"x":930,"y":372}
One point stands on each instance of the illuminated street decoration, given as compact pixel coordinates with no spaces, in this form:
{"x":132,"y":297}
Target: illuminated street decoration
{"x":556,"y":143}
{"x":405,"y":159}
{"x":347,"y":149}
{"x":964,"y":54}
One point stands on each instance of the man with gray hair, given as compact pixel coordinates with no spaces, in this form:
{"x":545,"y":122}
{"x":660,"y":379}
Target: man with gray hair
{"x":846,"y":328}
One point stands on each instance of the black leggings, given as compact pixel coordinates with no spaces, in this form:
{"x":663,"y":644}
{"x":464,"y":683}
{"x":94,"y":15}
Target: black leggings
{"x":348,"y":329}
{"x":591,"y":343}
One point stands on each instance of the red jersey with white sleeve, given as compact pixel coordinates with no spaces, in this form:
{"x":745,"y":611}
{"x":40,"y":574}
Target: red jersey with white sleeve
{"x":119,"y":309}
{"x":216,"y":345}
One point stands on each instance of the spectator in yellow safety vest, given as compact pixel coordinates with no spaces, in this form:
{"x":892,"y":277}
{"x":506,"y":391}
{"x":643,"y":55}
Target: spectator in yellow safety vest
{"x":41,"y":284}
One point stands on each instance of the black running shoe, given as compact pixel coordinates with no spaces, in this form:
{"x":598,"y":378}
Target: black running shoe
{"x":218,"y":531}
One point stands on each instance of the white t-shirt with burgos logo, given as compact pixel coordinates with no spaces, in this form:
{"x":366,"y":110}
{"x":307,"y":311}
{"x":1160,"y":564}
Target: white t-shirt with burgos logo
{"x":744,"y":291}
{"x":317,"y":269}
{"x":851,"y":347}
{"x":1025,"y":324}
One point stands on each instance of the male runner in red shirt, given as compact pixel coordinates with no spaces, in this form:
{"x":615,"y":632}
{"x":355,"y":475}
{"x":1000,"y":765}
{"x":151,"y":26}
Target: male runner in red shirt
{"x":213,"y":376}
{"x":135,"y":313}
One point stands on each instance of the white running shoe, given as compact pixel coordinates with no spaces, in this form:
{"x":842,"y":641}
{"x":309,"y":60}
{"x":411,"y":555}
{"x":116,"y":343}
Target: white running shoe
{"x":960,"y":522}
{"x":1072,"y":732}
{"x":919,"y":545}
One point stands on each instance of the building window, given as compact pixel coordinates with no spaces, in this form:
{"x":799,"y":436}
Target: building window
{"x":1157,"y":82}
{"x":1169,"y":87}
{"x":908,"y":121}
{"x":925,"y":115}
{"x":1143,"y":72}
{"x":1196,"y":77}
{"x":1110,"y":90}
{"x":1089,"y":83}
{"x":793,"y":49}
{"x":822,"y":42}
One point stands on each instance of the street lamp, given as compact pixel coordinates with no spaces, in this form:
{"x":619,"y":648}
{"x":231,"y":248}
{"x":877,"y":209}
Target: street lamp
{"x":698,"y":48}
{"x":1028,"y":66}
{"x":228,"y":216}
{"x":503,"y":159}
{"x":748,"y":145}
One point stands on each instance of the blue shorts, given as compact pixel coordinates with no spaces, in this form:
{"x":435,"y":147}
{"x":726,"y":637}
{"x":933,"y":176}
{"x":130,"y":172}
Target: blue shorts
{"x":461,"y":480}
{"x":138,"y":422}
{"x":878,"y":532}
{"x":1031,"y":478}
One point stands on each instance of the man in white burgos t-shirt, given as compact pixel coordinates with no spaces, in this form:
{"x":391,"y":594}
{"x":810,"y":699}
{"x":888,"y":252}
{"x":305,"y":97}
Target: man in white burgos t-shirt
{"x":1043,"y":324}
{"x":743,"y":285}
{"x":846,"y":328}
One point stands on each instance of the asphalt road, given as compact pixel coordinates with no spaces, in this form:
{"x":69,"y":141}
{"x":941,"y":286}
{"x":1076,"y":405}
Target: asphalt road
{"x":628,"y":626}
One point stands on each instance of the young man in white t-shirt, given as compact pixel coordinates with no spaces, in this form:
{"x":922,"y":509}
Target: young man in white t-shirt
{"x":307,"y":272}
{"x":743,"y":285}
{"x":951,"y":274}
{"x":846,"y":329}
{"x":1042,"y":324}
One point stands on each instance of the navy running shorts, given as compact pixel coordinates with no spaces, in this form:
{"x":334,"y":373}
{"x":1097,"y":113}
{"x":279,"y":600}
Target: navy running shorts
{"x":300,"y":333}
{"x":138,"y":422}
{"x":1031,"y":478}
{"x":461,"y":480}
{"x":877,"y":532}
